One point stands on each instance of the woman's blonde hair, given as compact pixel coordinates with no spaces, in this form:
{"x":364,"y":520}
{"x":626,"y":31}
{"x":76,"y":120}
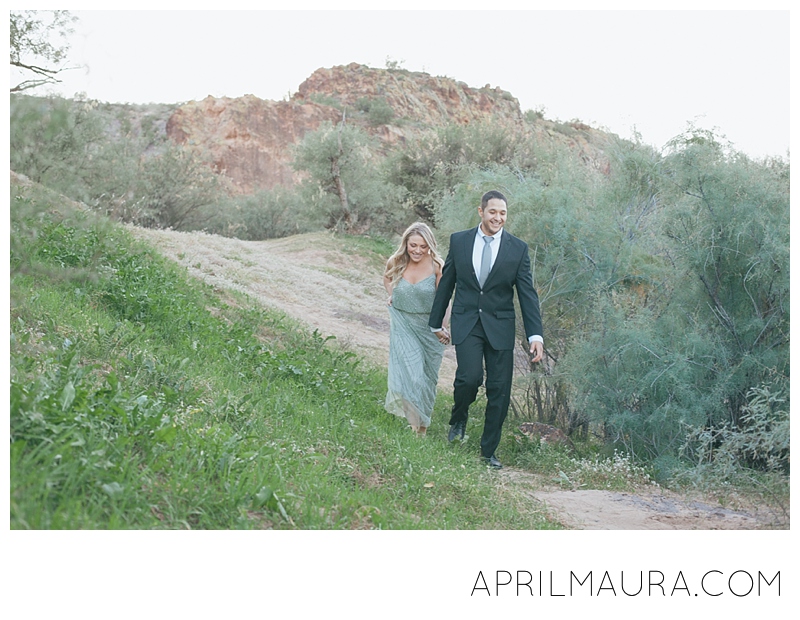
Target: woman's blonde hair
{"x":398,"y":261}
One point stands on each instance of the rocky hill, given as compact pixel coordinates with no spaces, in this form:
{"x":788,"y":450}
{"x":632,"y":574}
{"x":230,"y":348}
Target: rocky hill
{"x":250,"y":139}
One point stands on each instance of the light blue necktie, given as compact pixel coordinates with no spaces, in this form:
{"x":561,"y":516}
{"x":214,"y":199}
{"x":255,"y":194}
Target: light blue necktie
{"x":486,"y":260}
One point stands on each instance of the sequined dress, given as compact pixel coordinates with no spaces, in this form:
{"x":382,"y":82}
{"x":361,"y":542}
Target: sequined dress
{"x":415,"y":353}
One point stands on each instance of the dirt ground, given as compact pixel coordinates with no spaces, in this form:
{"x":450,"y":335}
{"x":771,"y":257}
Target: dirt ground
{"x":341,"y":294}
{"x":305,"y":276}
{"x":648,"y":509}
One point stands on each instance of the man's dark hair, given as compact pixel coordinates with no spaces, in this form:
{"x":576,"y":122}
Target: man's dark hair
{"x":492,"y":194}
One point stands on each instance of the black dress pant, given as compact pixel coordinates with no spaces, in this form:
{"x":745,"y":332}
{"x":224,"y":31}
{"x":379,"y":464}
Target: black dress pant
{"x":471,"y":355}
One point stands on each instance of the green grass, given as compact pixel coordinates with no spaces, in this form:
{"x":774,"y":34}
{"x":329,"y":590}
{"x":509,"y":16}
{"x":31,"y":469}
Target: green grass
{"x":140,"y":399}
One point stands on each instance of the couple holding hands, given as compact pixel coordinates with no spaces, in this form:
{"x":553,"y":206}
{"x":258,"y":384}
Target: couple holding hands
{"x":484,"y":265}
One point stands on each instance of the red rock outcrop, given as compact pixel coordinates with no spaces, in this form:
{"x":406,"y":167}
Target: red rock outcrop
{"x":415,"y":96}
{"x":250,"y":139}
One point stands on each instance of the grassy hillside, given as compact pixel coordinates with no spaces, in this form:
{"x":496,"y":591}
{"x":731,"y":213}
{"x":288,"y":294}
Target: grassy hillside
{"x":141,"y":399}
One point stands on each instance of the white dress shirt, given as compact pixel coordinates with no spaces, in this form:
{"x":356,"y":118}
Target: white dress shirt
{"x":477,"y":249}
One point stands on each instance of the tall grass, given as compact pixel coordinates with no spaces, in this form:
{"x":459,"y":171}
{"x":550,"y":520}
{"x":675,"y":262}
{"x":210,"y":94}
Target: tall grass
{"x":140,"y":399}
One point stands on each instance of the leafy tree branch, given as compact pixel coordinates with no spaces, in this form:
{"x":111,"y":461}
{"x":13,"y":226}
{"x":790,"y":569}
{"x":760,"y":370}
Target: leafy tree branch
{"x":32,"y":46}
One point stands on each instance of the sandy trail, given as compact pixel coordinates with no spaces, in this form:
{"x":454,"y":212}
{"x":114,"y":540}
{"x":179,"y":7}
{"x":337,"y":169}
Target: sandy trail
{"x":656,"y":509}
{"x":305,"y":276}
{"x":341,"y":294}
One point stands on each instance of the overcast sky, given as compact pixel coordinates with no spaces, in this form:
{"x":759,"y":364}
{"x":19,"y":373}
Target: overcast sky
{"x":652,"y":71}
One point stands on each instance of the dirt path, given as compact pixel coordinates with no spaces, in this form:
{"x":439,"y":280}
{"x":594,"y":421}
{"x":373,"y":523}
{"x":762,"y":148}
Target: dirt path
{"x":309,"y":278}
{"x":648,"y":509}
{"x":305,"y":276}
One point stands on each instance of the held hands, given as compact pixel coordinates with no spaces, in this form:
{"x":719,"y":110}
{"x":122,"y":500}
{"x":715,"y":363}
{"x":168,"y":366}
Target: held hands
{"x":443,"y":335}
{"x":537,"y":351}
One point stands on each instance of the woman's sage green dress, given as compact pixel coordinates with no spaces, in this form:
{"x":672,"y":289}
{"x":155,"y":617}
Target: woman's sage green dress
{"x":415,"y":353}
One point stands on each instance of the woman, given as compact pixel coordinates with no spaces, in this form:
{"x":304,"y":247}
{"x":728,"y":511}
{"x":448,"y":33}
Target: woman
{"x":415,"y":353}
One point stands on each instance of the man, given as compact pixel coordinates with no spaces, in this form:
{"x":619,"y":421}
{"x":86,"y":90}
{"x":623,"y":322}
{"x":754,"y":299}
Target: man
{"x":484,"y":266}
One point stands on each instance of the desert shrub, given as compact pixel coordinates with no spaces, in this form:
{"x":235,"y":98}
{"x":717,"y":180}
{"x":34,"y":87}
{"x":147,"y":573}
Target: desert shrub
{"x":328,"y":100}
{"x":761,"y":441}
{"x":432,"y":164}
{"x":380,"y":113}
{"x":363,"y":104}
{"x":94,"y":154}
{"x":691,"y":313}
{"x":264,"y":215}
{"x":728,"y":226}
{"x":377,"y":110}
{"x":54,"y":141}
{"x":751,"y":456}
{"x":346,"y":183}
{"x":175,"y":189}
{"x":531,"y":116}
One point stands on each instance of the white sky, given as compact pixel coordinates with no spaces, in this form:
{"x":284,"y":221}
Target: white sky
{"x":650,"y":71}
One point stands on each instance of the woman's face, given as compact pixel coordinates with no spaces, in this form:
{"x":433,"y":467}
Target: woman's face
{"x":416,"y":248}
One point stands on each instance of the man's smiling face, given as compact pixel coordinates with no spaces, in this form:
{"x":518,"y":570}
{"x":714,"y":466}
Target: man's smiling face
{"x":493,"y":217}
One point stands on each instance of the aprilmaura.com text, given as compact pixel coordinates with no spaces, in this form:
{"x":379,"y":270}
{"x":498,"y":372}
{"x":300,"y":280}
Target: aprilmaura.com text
{"x":655,"y":583}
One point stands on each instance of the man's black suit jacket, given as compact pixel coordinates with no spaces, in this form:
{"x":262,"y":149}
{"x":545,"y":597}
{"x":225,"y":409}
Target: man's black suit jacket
{"x":494,"y":305}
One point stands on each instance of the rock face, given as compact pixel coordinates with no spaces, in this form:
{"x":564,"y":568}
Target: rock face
{"x":414,"y":96}
{"x":250,"y":139}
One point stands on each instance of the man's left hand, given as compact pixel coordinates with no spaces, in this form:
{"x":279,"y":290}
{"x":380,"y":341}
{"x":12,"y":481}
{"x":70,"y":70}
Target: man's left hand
{"x":537,"y":351}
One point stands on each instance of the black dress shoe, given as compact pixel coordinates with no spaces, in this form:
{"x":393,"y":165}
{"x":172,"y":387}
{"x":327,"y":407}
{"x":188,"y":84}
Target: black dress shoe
{"x":493,"y":462}
{"x":457,"y":430}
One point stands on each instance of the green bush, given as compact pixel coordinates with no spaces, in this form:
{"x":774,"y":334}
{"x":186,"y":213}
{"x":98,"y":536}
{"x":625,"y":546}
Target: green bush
{"x":431,"y":165}
{"x":264,"y":215}
{"x":96,"y":155}
{"x":363,"y":104}
{"x":54,"y":141}
{"x":380,"y":112}
{"x":760,"y":442}
{"x":346,"y":182}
